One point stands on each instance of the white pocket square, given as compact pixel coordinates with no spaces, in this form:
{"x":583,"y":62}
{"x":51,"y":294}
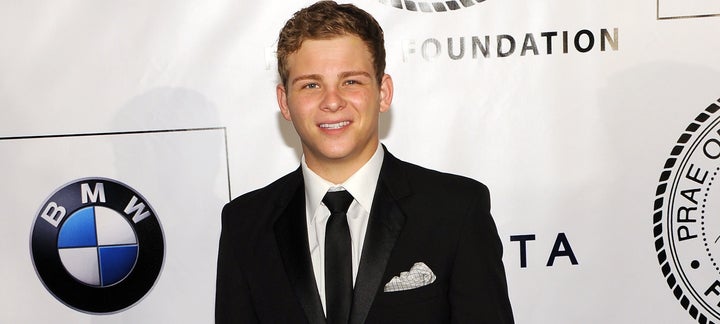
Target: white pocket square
{"x":419,"y":275}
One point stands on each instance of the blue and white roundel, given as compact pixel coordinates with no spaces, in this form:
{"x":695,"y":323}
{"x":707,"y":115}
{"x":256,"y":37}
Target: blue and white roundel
{"x":97,"y":246}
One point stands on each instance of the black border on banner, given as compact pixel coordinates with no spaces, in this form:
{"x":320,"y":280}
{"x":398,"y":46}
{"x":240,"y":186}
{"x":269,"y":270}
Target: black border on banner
{"x":657,"y":14}
{"x":224,"y":130}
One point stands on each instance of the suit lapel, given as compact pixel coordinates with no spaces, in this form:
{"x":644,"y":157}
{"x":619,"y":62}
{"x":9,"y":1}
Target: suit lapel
{"x":291,"y":234}
{"x":384,"y":226}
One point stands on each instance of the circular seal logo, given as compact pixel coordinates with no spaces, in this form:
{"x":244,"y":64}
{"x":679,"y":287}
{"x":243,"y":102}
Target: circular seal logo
{"x":686,"y":230}
{"x":97,"y":245}
{"x":430,"y":6}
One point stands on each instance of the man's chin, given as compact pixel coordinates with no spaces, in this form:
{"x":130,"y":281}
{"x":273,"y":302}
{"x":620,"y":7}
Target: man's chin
{"x":332,"y":154}
{"x":337,"y":155}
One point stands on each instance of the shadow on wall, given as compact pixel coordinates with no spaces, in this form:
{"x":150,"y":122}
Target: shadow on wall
{"x":166,"y":108}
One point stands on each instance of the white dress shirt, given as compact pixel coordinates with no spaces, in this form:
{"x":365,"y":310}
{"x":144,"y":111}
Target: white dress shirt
{"x":361,"y":185}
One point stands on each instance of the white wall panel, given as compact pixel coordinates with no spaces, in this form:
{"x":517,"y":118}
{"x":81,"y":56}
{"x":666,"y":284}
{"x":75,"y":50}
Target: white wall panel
{"x":569,"y":143}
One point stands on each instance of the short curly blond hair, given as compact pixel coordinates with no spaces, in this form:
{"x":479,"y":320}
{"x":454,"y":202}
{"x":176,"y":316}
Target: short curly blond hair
{"x":327,"y":20}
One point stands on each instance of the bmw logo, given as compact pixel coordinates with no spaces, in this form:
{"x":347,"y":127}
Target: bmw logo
{"x":97,"y":245}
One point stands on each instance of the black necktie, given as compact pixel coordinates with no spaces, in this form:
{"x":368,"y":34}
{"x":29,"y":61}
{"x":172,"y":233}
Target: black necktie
{"x":338,"y":258}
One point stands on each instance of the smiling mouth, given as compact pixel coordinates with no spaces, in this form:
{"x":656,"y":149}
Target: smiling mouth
{"x":335,"y":125}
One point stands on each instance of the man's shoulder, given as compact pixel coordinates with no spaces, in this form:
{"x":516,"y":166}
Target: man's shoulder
{"x":264,"y":200}
{"x":430,"y":196}
{"x":430,"y":179}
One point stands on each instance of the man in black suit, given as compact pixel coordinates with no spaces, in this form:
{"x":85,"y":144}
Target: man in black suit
{"x":354,"y":235}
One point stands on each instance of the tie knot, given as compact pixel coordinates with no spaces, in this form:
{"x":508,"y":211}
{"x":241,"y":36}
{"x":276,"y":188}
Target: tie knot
{"x":338,"y":201}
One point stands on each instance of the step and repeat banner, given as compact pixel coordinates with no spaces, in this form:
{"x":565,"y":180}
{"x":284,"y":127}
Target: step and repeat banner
{"x":125,"y":126}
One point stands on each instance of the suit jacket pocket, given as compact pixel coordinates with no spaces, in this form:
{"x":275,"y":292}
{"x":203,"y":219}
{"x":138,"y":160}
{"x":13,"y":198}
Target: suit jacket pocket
{"x":420,"y":295}
{"x":427,"y":304}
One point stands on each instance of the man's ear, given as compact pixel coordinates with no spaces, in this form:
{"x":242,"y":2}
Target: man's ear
{"x":386,"y":93}
{"x":282,"y":101}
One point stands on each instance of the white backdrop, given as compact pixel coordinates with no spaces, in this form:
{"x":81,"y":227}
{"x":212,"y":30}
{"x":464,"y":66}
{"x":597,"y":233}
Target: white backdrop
{"x":572,"y":140}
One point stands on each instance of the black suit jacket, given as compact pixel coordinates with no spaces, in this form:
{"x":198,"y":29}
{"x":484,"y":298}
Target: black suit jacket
{"x":418,"y":215}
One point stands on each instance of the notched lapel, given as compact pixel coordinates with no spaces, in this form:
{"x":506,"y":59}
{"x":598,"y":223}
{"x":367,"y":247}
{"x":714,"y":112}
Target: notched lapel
{"x":291,"y":235}
{"x":384,"y":226}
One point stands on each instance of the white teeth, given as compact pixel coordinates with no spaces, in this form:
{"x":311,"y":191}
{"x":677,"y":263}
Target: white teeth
{"x":335,"y":125}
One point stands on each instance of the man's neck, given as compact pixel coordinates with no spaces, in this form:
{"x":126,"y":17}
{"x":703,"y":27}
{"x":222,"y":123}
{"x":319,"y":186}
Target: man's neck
{"x":338,"y":170}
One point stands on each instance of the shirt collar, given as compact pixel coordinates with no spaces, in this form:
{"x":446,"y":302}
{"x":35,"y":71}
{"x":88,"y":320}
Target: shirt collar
{"x":361,"y":184}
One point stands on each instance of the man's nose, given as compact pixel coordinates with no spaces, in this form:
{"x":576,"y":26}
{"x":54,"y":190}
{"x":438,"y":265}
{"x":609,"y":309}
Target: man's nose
{"x":333,"y":100}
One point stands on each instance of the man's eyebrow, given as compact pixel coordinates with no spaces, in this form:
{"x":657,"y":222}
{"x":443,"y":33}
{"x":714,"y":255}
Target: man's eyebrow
{"x":354,"y":73}
{"x":341,"y":75}
{"x":306,"y":77}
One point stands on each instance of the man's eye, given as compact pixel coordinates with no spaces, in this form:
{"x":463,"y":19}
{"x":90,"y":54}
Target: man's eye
{"x":311,"y":86}
{"x":351,"y":82}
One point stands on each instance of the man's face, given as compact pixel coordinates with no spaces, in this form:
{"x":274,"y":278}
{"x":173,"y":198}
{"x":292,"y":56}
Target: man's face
{"x":334,"y":100}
